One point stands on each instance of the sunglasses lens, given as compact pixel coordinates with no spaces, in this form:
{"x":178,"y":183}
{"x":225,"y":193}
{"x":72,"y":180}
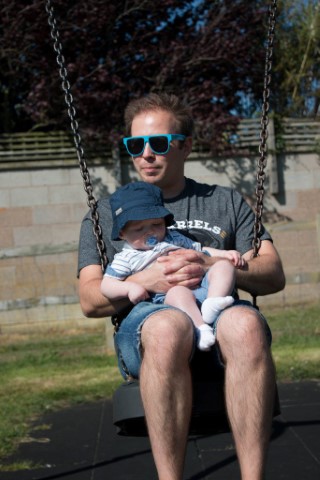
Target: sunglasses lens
{"x":135,"y":146}
{"x":159,"y":144}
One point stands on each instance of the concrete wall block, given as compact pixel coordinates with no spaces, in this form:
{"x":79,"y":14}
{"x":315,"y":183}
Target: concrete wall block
{"x":312,"y":263}
{"x":6,"y":237}
{"x":61,"y":234}
{"x":78,"y":211}
{"x":310,"y":200}
{"x":68,"y":258}
{"x":307,"y":238}
{"x":290,"y":257}
{"x":31,"y":196}
{"x":15,"y":216}
{"x":316,"y":178}
{"x":7,"y":281}
{"x":105,"y":174}
{"x":46,"y":234}
{"x":52,"y":214}
{"x":287,"y":204}
{"x":282,"y":238}
{"x":65,"y":194}
{"x":5,"y":198}
{"x":102,"y":180}
{"x":298,"y":181}
{"x":15,"y":178}
{"x":301,"y":162}
{"x":75,"y":177}
{"x":27,"y":279}
{"x":50,"y":177}
{"x":57,"y":282}
{"x":33,"y":235}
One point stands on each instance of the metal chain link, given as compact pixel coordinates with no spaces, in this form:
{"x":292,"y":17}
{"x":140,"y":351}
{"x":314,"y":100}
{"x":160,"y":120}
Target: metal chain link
{"x":262,"y":163}
{"x":256,"y":243}
{"x":91,"y":201}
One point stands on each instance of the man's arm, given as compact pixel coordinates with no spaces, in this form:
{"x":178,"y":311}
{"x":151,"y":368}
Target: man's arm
{"x":264,"y":274}
{"x":93,"y":303}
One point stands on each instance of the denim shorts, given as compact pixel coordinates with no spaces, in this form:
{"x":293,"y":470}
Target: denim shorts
{"x":127,"y":341}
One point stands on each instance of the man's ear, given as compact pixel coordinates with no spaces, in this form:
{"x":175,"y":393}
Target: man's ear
{"x":187,"y":145}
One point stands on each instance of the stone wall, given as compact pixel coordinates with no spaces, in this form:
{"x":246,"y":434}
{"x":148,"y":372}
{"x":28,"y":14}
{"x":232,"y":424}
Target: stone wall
{"x":41,"y":210}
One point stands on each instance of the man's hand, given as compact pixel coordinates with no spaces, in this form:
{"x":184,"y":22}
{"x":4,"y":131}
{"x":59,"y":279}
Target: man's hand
{"x":184,"y":267}
{"x":179,"y":267}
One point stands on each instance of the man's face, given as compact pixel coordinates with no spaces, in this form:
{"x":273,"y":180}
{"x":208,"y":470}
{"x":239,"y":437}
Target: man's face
{"x":165,"y":171}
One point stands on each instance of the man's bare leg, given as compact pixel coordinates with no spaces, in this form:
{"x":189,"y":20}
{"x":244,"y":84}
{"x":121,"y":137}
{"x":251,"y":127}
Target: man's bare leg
{"x":166,"y":389}
{"x":250,"y":387}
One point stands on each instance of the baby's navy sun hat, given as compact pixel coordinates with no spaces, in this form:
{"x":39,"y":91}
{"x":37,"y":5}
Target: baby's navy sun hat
{"x":137,"y":201}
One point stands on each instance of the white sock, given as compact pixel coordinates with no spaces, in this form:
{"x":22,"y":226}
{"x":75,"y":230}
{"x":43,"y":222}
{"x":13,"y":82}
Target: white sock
{"x":206,"y":337}
{"x":212,"y":306}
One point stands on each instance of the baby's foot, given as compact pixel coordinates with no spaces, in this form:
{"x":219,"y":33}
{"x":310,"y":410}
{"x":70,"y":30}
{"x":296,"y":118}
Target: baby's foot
{"x":206,"y":337}
{"x":212,"y":306}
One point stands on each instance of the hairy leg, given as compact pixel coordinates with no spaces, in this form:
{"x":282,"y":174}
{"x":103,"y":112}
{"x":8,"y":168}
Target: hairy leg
{"x":250,"y":387}
{"x":166,"y":388}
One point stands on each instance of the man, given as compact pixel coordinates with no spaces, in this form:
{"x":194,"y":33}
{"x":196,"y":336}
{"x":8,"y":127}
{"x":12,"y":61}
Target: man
{"x":156,"y":342}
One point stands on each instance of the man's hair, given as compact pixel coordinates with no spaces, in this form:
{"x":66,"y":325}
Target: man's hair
{"x":161,"y":101}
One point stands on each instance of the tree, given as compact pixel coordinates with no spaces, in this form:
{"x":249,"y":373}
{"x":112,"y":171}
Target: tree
{"x":210,"y":52}
{"x":297,"y":58}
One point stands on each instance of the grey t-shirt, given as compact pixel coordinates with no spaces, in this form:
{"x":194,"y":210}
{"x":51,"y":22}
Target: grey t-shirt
{"x":215,"y":216}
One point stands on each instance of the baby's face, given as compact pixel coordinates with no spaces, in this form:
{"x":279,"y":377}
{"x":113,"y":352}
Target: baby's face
{"x":137,"y":233}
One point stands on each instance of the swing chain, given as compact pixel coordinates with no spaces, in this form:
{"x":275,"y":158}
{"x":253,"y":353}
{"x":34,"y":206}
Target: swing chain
{"x":91,"y":201}
{"x":256,"y":243}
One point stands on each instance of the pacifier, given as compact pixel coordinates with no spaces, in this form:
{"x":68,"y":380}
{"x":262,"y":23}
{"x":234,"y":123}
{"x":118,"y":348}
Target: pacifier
{"x":151,"y":241}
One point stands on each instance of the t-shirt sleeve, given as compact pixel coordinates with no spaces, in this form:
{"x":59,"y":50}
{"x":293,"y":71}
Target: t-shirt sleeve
{"x":88,"y":253}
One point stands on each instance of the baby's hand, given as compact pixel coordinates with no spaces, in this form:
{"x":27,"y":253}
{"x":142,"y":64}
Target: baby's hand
{"x":137,"y":293}
{"x":235,"y":257}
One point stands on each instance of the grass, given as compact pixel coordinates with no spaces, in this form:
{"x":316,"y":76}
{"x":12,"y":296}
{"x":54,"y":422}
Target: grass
{"x":55,"y":370}
{"x":48,"y":372}
{"x":296,"y":342}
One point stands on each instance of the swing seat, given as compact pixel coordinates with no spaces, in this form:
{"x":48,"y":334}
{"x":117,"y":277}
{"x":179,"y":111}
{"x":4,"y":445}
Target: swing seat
{"x":208,"y":411}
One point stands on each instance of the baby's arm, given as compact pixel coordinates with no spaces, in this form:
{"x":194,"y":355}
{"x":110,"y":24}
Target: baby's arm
{"x":115,"y":289}
{"x":235,"y":257}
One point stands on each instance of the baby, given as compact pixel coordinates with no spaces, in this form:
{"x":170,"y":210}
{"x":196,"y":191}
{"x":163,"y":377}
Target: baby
{"x":141,"y":220}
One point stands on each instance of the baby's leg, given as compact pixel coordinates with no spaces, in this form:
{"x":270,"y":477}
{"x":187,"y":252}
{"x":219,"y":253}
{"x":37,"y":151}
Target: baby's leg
{"x":221,"y":278}
{"x":183,"y":298}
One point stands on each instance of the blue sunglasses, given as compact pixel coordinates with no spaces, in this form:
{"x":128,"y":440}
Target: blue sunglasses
{"x":159,"y":144}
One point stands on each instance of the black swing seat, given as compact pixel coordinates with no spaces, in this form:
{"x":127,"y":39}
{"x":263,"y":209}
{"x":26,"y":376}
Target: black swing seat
{"x":208,"y":412}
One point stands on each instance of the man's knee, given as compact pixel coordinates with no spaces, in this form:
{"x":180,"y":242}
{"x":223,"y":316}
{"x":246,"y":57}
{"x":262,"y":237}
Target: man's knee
{"x":242,"y":329}
{"x":168,"y":330}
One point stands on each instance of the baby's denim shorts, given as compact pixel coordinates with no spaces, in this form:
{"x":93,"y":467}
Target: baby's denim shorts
{"x":200,"y":293}
{"x":127,"y":341}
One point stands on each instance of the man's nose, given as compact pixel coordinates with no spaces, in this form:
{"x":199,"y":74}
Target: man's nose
{"x":147,"y":151}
